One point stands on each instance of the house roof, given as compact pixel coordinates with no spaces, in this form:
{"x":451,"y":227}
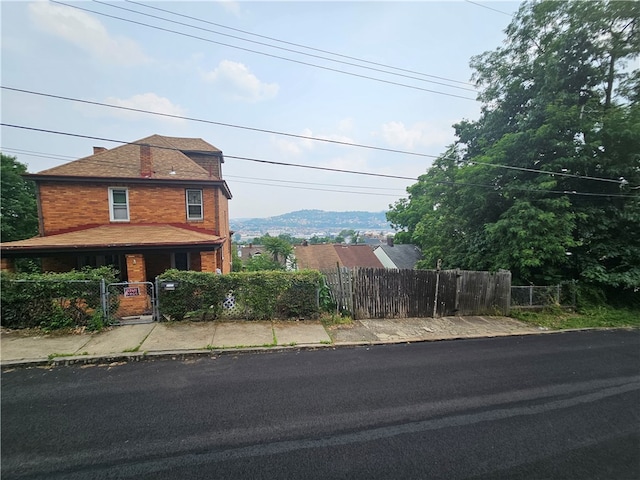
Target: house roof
{"x":402,"y":256}
{"x":328,"y":256}
{"x":250,"y":251}
{"x":316,"y":257}
{"x":124,"y":161}
{"x":357,"y":256}
{"x":117,"y":237}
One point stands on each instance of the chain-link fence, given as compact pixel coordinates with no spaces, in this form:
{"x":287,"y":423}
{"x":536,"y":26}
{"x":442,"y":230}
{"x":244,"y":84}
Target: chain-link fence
{"x":52,"y":303}
{"x":537,"y":296}
{"x":250,"y":298}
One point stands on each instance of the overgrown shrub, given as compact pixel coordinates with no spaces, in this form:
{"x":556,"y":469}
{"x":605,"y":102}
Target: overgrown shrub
{"x":54,"y":300}
{"x":257,"y":295}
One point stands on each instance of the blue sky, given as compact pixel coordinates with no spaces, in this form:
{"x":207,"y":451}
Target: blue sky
{"x":63,"y":51}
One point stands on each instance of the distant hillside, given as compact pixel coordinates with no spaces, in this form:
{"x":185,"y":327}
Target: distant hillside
{"x":317,"y":220}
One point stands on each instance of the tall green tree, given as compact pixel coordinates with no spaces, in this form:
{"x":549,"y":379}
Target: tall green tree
{"x":560,"y":96}
{"x":18,"y":210}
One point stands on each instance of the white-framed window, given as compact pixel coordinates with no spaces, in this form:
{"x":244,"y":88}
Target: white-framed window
{"x":194,"y":204}
{"x":118,"y":204}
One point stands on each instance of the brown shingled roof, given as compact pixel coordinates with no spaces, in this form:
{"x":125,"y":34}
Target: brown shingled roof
{"x":316,"y":257}
{"x":116,"y":236}
{"x":358,"y":256}
{"x":328,"y":256}
{"x":124,"y":161}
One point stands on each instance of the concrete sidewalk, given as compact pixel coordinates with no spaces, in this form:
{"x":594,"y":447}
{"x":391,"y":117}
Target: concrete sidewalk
{"x":180,"y":339}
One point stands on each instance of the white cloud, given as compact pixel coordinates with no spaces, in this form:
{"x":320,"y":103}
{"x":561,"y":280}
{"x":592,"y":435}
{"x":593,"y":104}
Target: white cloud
{"x":421,"y":134}
{"x":86,"y":32}
{"x":150,"y":102}
{"x":231,"y":6}
{"x":297,"y":146}
{"x":236,"y":80}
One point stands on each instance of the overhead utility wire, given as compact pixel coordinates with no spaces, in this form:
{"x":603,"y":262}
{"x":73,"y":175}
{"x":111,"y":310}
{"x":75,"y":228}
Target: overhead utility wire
{"x":265,"y":54}
{"x":338,"y":170}
{"x":271,"y":162}
{"x":320,"y":189}
{"x":284,"y":48}
{"x":300,"y":45}
{"x":212,"y":122}
{"x":489,"y":8}
{"x":338,"y":142}
{"x":31,"y":153}
{"x":52,"y":156}
{"x":314,"y":183}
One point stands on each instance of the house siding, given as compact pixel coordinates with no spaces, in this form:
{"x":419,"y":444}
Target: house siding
{"x":67,"y":206}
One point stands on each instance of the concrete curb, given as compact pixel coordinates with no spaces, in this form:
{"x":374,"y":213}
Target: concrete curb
{"x":154,"y":355}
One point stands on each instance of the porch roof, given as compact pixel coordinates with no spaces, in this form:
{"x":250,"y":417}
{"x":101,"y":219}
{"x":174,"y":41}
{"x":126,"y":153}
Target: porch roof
{"x":118,"y":237}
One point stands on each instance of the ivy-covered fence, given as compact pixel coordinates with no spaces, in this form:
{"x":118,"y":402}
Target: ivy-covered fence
{"x":247,"y":295}
{"x":55,"y":300}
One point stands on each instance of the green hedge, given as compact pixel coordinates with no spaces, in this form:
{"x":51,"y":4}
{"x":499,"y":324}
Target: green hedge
{"x":257,"y":295}
{"x":54,"y":300}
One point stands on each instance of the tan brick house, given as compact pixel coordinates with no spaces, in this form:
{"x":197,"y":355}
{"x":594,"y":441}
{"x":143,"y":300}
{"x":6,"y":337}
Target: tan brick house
{"x":144,"y":207}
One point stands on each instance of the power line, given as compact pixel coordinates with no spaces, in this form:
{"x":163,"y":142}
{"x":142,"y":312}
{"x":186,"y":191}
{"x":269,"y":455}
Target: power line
{"x":31,"y":153}
{"x":122,"y":165}
{"x":286,"y":49}
{"x":314,"y":183}
{"x":489,"y":8}
{"x":338,"y":170}
{"x":271,"y":162}
{"x":320,"y":189}
{"x":264,"y":53}
{"x":222,"y":124}
{"x":305,"y":137}
{"x":299,"y":45}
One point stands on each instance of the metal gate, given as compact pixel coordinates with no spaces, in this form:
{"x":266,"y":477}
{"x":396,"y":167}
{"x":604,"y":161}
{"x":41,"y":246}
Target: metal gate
{"x":131,"y":302}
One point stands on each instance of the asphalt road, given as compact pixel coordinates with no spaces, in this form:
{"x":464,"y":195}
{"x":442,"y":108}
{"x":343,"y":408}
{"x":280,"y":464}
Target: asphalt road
{"x":563,"y":406}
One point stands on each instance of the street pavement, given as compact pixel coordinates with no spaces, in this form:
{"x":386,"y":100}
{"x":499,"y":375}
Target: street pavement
{"x":182,"y":339}
{"x":563,"y":406}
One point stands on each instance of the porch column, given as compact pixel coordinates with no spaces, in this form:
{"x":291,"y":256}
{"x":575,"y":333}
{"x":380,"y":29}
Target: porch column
{"x":7,"y":265}
{"x":208,"y":262}
{"x":136,"y":270}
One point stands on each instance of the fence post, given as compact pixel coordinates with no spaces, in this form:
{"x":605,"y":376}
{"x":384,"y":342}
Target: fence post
{"x":435,"y":299}
{"x":341,"y":296}
{"x":103,"y":300}
{"x":156,"y":301}
{"x":530,"y":295}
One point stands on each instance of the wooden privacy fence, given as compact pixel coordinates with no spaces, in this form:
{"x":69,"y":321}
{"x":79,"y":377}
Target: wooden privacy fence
{"x":389,"y":293}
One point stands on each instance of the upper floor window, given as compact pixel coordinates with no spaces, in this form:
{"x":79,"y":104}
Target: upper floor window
{"x":118,"y":204}
{"x":194,"y":205}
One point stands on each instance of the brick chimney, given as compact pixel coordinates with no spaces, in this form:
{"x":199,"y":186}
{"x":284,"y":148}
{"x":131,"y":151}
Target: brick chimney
{"x":98,"y":150}
{"x":146,"y":162}
{"x":390,"y":241}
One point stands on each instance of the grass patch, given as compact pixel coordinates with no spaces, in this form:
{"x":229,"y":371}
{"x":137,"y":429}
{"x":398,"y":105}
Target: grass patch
{"x":239,"y":347}
{"x":51,"y":356}
{"x":593,"y":317}
{"x":131,"y":350}
{"x":331,"y":319}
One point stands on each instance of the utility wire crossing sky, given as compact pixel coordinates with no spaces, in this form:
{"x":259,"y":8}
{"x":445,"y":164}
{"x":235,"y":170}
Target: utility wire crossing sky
{"x":297,"y":95}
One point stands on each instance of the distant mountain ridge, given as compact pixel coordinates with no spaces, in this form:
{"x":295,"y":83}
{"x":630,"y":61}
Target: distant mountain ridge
{"x":320,"y":220}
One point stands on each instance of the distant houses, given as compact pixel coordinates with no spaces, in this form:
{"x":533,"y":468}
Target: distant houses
{"x":331,"y":256}
{"x":398,"y":256}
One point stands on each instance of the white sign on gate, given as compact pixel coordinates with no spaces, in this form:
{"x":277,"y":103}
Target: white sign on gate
{"x":131,"y":291}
